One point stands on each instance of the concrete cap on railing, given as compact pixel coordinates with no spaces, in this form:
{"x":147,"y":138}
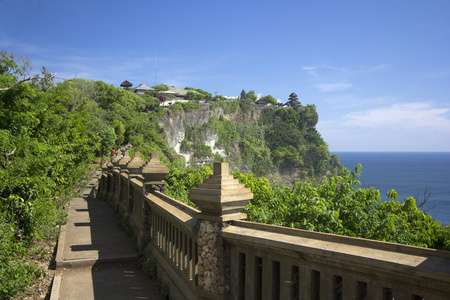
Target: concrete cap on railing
{"x":134,"y":166}
{"x":105,"y":166}
{"x":109,"y":166}
{"x":124,"y":161}
{"x":221,"y":197}
{"x":116,"y":158}
{"x":154,"y":170}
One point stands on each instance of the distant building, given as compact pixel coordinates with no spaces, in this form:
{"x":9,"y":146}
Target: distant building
{"x":142,"y":88}
{"x":293,"y":100}
{"x":262,"y":103}
{"x":243,"y":95}
{"x":126,"y":85}
{"x":178,"y":92}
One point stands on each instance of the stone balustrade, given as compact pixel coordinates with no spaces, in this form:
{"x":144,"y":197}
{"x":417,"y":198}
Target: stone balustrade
{"x":212,"y":253}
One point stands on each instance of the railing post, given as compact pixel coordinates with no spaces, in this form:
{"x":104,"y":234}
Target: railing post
{"x":124,"y":183}
{"x":110,"y":181}
{"x":103,"y":184}
{"x":134,"y":167}
{"x":116,"y":179}
{"x":220,"y":199}
{"x":154,"y":172}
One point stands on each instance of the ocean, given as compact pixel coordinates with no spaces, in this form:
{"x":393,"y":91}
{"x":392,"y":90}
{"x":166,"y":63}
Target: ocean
{"x":409,"y":173}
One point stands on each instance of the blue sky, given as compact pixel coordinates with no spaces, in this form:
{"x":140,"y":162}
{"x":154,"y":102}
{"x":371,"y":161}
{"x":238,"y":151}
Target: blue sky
{"x":378,"y":71}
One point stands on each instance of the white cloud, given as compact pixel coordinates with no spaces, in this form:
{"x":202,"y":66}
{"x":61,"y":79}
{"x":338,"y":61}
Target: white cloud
{"x":333,"y":87}
{"x":404,"y":115}
{"x":416,"y":126}
{"x":310,"y":69}
{"x":381,"y":67}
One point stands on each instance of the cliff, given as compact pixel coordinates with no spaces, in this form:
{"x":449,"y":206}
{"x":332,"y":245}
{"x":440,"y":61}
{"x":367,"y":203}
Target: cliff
{"x":280,"y":144}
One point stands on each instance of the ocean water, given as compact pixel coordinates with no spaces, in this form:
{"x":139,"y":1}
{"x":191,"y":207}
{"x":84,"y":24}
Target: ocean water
{"x":409,"y":173}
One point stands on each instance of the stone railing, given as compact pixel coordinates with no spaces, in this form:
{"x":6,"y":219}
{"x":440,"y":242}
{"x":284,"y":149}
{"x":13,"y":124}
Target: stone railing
{"x":212,"y":254}
{"x":271,"y":262}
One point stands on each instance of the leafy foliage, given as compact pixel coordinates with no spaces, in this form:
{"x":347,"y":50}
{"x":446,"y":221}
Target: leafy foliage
{"x":161,"y":87}
{"x":270,"y":99}
{"x":184,"y":106}
{"x":46,"y":145}
{"x":109,"y":137}
{"x":202,"y":150}
{"x":49,"y":134}
{"x":229,"y":107}
{"x":199,"y":94}
{"x":338,"y":205}
{"x":284,"y":140}
{"x":180,"y":181}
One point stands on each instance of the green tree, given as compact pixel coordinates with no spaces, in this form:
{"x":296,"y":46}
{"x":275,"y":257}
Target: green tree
{"x":151,"y":101}
{"x":338,"y":205}
{"x":161,"y":87}
{"x":252,"y":96}
{"x":48,"y":146}
{"x":283,"y":134}
{"x":269,"y":99}
{"x":309,"y":114}
{"x":268,"y":115}
{"x":109,"y":138}
{"x":180,"y":181}
{"x":119,"y":129}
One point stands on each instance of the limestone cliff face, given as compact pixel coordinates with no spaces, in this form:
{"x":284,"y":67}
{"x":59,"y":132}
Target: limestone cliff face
{"x":175,"y":130}
{"x":174,"y":126}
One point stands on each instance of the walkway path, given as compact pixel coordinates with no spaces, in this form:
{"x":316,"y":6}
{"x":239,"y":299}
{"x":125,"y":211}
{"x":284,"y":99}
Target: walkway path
{"x":95,"y":259}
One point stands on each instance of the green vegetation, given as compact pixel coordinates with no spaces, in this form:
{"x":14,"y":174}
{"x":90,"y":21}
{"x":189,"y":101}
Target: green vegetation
{"x":229,"y":107}
{"x":199,"y":95}
{"x":270,"y":99}
{"x":161,"y":87}
{"x":283,"y":141}
{"x":180,"y":181}
{"x":286,"y":140}
{"x":184,"y":106}
{"x":49,"y":135}
{"x":339,"y":205}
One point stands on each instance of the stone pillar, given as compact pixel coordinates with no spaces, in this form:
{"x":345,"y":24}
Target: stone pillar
{"x":116,"y":179}
{"x":103,"y":184}
{"x":154,"y":172}
{"x":110,"y":184}
{"x":124,"y":161}
{"x":221,"y":199}
{"x":134,"y":167}
{"x":123,"y":182}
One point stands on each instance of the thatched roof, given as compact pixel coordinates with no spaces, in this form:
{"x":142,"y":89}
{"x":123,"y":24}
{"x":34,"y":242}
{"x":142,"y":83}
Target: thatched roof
{"x":126,"y":84}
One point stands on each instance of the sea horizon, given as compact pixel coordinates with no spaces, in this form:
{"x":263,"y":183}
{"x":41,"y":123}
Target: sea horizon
{"x":409,"y":173}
